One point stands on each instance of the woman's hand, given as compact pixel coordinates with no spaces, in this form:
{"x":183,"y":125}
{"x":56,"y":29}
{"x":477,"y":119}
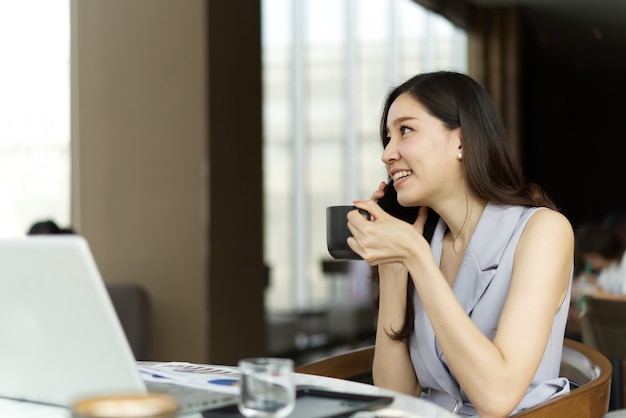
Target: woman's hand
{"x":384,"y":238}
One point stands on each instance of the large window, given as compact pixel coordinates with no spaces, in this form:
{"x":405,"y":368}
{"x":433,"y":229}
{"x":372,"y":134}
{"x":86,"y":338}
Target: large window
{"x":327,"y":66}
{"x":34,"y":114}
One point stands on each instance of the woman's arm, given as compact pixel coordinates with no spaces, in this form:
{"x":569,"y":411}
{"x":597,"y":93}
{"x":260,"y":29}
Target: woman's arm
{"x":392,"y":367}
{"x":495,"y":375}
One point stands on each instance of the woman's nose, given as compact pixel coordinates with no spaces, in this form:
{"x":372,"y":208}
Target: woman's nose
{"x":390,"y":153}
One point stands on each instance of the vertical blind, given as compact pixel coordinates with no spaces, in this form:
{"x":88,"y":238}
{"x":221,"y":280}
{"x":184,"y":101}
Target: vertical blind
{"x":327,"y":66}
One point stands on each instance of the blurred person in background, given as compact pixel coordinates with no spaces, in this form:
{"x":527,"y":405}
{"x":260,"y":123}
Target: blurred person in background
{"x":601,"y":252}
{"x":47,"y":227}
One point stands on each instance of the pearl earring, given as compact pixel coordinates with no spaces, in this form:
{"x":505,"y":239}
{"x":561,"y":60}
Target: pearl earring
{"x":459,"y":156}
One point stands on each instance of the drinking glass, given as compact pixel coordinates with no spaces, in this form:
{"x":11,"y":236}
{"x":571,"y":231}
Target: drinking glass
{"x":267,"y":387}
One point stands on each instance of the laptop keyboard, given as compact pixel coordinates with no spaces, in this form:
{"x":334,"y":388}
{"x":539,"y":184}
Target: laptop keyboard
{"x":192,"y":399}
{"x":192,"y":402}
{"x":10,"y":408}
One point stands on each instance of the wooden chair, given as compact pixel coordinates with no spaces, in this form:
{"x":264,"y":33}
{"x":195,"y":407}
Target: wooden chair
{"x":355,"y":365}
{"x":588,"y":371}
{"x":603,"y":327}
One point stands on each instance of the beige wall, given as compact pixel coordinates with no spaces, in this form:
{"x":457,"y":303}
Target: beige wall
{"x":153,"y":208}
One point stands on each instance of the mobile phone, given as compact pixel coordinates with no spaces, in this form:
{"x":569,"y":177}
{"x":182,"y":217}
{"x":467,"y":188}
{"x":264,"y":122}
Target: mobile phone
{"x":389,"y":203}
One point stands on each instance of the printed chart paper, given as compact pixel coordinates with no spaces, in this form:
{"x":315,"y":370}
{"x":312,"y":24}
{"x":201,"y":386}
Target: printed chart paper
{"x":217,"y":378}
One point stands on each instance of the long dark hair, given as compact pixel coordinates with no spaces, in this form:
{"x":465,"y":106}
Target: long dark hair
{"x":492,"y":172}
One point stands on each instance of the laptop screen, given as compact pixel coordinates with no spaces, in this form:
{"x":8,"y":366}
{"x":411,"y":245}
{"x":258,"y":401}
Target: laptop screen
{"x":61,"y":338}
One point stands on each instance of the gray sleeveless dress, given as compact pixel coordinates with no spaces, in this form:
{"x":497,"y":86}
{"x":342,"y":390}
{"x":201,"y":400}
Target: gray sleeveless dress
{"x":481,"y":287}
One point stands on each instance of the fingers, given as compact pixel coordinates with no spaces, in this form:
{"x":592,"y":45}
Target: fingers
{"x":354,"y":246}
{"x":356,"y":222}
{"x":371,"y":207}
{"x":365,"y":254}
{"x":380,"y":191}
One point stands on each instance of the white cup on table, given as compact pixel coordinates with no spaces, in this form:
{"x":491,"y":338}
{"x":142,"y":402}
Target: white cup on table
{"x":151,"y":405}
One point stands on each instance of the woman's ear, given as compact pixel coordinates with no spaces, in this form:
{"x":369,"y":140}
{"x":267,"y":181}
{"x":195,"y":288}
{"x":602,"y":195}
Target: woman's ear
{"x":459,"y":137}
{"x":455,"y":137}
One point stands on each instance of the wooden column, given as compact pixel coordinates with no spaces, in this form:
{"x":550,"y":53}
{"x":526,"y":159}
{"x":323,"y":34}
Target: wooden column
{"x":166,"y":166}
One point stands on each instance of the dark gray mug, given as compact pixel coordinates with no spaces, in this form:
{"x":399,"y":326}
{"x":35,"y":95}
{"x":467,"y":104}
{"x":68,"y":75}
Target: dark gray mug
{"x":337,"y":232}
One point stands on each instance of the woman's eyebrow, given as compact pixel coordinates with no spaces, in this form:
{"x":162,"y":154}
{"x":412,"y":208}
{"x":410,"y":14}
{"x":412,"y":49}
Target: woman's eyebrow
{"x":401,"y":119}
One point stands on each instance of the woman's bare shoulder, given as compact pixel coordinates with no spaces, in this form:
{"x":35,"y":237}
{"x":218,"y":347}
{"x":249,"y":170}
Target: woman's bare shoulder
{"x":550,"y":224}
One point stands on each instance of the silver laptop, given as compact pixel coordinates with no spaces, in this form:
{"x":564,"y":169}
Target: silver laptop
{"x":61,"y":338}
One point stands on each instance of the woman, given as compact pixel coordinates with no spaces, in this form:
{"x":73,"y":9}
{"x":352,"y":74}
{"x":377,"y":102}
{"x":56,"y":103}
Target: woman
{"x":475,"y":320}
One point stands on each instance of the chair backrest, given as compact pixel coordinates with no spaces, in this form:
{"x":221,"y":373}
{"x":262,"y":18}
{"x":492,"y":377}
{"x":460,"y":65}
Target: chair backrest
{"x":353,"y":365}
{"x":588,"y":371}
{"x":606,"y":326}
{"x":132,"y":305}
{"x":590,"y":375}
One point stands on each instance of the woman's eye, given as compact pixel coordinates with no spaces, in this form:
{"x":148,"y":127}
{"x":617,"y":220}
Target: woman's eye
{"x":405,"y":130}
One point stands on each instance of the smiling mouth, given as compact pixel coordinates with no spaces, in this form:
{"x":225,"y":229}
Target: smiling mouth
{"x":400,"y":174}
